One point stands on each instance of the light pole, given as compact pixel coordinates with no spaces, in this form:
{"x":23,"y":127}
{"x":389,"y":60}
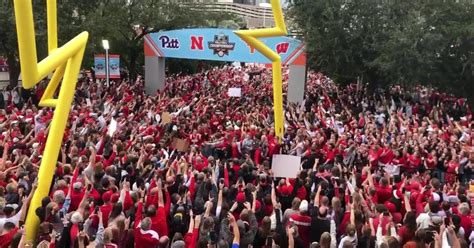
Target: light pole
{"x":105,"y":44}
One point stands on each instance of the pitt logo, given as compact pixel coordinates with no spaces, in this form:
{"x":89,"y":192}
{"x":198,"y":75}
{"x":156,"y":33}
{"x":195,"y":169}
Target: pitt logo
{"x":167,"y":42}
{"x":282,"y":47}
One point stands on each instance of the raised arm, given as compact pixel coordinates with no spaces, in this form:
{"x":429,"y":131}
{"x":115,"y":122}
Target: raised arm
{"x":219,"y":199}
{"x":191,"y":222}
{"x":93,"y":155}
{"x":160,"y":194}
{"x":235,"y":229}
{"x":26,"y":204}
{"x":291,"y":240}
{"x":317,"y":196}
{"x":83,"y":204}
{"x":351,"y":206}
{"x":5,"y":155}
{"x":254,"y":200}
{"x":407,"y":203}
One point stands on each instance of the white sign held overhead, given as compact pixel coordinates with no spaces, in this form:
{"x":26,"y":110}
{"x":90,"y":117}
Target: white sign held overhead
{"x":285,"y":166}
{"x":112,"y":127}
{"x":235,"y":92}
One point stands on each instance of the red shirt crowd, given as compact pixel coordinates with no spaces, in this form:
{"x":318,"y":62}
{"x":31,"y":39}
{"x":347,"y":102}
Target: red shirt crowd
{"x":191,"y":166}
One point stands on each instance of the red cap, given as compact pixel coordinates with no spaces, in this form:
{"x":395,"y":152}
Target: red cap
{"x":115,"y":197}
{"x":257,"y":205}
{"x":391,"y":207}
{"x":106,"y":196}
{"x":240,"y":197}
{"x":286,"y":190}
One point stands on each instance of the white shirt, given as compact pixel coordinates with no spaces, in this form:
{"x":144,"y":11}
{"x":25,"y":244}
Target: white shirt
{"x":15,"y":219}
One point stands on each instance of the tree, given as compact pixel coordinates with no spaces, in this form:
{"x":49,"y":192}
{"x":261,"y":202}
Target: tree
{"x":8,"y":40}
{"x":386,"y":42}
{"x":115,"y":20}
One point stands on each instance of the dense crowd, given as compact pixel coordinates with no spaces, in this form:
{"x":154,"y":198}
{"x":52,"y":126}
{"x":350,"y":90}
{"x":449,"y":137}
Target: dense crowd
{"x":389,"y":168}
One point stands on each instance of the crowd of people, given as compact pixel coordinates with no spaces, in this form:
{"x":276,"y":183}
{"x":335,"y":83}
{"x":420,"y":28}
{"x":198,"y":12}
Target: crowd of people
{"x":385,"y":168}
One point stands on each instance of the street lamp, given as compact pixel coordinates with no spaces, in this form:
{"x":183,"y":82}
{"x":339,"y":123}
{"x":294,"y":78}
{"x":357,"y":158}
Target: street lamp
{"x":265,"y":6}
{"x":105,"y":44}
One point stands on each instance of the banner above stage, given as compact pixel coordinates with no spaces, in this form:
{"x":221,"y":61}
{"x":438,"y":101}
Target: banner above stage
{"x":220,"y":45}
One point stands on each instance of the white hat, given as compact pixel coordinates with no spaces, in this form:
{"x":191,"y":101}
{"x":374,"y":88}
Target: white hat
{"x":76,"y":217}
{"x":304,"y":205}
{"x":77,"y":185}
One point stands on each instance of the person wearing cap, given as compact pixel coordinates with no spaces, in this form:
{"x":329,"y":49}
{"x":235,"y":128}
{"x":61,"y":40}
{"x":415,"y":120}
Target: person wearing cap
{"x":303,"y":221}
{"x":106,"y":209}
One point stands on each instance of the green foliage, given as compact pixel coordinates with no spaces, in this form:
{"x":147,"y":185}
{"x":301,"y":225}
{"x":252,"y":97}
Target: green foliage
{"x":386,"y":42}
{"x":114,"y":20}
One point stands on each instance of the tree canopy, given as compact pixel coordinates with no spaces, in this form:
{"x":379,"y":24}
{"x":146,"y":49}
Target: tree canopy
{"x":387,"y":42}
{"x":122,"y":22}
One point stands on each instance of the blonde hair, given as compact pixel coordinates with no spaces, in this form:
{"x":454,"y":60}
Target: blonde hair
{"x":464,"y":208}
{"x":325,"y":240}
{"x":108,"y":235}
{"x":295,"y":204}
{"x":350,"y":230}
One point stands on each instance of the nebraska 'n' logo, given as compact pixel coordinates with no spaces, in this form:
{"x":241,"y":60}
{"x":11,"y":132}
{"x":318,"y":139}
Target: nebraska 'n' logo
{"x":282,"y":47}
{"x":196,"y":43}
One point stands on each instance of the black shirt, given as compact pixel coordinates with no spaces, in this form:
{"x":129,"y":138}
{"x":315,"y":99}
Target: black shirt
{"x":318,"y":226}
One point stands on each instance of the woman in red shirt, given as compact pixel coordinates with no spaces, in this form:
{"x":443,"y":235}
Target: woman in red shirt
{"x":430,"y":161}
{"x":407,"y":231}
{"x":452,"y":169}
{"x":413,"y":162}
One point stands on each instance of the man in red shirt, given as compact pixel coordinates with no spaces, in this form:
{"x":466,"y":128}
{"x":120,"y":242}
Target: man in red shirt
{"x":144,"y":236}
{"x":107,"y":207}
{"x":384,"y":191}
{"x":9,"y":231}
{"x":159,"y":222}
{"x":303,"y":221}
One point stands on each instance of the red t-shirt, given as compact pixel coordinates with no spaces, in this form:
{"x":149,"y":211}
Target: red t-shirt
{"x":385,"y":221}
{"x":374,"y":156}
{"x":387,"y":157}
{"x":6,"y":239}
{"x":76,"y":198}
{"x":106,"y":209}
{"x":303,"y":222}
{"x":145,"y":239}
{"x":383,"y":193}
{"x":405,"y":234}
{"x":159,"y":222}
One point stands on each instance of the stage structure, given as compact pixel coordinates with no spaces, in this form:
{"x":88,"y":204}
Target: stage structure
{"x":265,"y":46}
{"x":65,"y":62}
{"x":199,"y":44}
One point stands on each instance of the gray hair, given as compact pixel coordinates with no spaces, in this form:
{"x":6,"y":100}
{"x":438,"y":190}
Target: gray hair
{"x":58,"y":196}
{"x":76,"y":217}
{"x":464,"y":208}
{"x":146,"y":224}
